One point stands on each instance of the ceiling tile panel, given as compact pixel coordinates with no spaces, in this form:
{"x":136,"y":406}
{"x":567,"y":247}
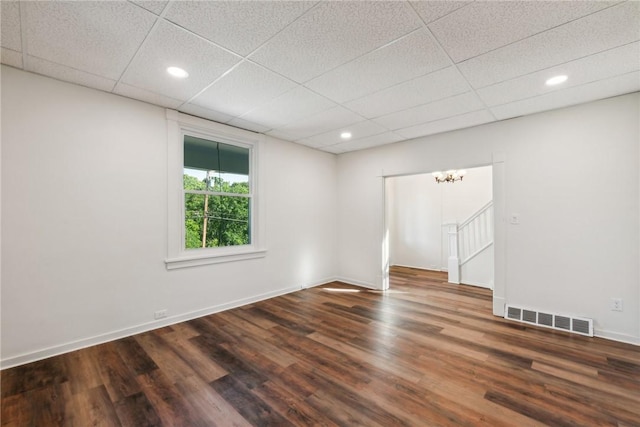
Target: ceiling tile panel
{"x":484,"y":26}
{"x":169,"y":45}
{"x":10,"y":57}
{"x":322,"y":122}
{"x":289,"y":108}
{"x":205,"y":113}
{"x":335,"y":149}
{"x":334,"y":33}
{"x":96,"y":37}
{"x":240,"y":26}
{"x":368,"y":142}
{"x":155,"y":6}
{"x":146,"y":96}
{"x":281,"y":135}
{"x":621,"y":60}
{"x":246,"y":87}
{"x":614,"y":86}
{"x":61,"y":72}
{"x":438,"y":85}
{"x":452,"y":123}
{"x":429,"y":11}
{"x":358,"y":130}
{"x":615,"y":26}
{"x":10,"y":37}
{"x":243,"y":124}
{"x":407,"y":58}
{"x":448,"y":107}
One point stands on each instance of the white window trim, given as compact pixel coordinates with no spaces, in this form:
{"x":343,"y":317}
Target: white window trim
{"x":178,"y":125}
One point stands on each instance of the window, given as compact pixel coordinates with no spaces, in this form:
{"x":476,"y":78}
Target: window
{"x":217,"y":194}
{"x":214,"y":204}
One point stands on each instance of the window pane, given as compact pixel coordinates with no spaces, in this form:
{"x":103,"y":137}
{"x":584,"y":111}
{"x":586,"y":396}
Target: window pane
{"x":193,"y":220}
{"x":194,"y":179}
{"x":215,"y":166}
{"x":231,"y":183}
{"x":224,"y":221}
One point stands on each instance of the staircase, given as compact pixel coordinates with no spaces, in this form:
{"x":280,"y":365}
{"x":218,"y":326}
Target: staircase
{"x":468,"y":239}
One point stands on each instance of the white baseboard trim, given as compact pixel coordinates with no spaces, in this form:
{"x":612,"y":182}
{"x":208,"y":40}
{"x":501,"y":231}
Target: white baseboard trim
{"x":419,"y":268}
{"x":355,"y":282}
{"x":476,"y":284}
{"x":498,"y":306}
{"x":616,"y":336}
{"x":319,"y":283}
{"x":126,"y":332}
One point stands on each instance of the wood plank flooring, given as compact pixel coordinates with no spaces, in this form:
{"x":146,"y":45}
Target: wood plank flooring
{"x":426,"y":353}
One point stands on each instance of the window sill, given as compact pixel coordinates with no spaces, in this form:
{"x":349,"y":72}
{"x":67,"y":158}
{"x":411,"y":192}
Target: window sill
{"x":205,"y":259}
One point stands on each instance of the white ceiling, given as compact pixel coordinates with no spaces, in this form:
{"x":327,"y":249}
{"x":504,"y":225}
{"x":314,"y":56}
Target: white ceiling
{"x":305,"y":71}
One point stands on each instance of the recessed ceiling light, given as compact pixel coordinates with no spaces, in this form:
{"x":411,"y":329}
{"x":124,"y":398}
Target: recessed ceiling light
{"x":177,"y":72}
{"x":345,"y":135}
{"x":556,"y":80}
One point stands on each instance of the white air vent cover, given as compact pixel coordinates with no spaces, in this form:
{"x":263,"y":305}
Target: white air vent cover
{"x":576,"y":325}
{"x":514,"y":313}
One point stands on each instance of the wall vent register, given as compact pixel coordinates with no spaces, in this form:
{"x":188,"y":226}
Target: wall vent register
{"x":576,"y":325}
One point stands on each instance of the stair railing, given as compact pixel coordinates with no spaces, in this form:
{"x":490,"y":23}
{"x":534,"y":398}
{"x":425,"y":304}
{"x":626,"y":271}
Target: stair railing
{"x":469,"y":239}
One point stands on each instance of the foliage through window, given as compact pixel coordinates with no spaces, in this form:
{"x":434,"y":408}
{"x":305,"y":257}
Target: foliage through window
{"x":217,"y":194}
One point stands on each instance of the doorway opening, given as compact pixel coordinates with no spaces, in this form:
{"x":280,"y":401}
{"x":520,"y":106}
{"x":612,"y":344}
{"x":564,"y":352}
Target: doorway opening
{"x":445,"y":227}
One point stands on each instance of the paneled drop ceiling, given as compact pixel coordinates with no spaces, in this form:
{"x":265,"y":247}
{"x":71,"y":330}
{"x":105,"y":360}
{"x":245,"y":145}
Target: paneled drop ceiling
{"x":307,"y":71}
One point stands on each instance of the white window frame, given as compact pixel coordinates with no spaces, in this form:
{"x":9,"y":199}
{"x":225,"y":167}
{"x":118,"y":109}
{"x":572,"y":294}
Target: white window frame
{"x":179,"y":125}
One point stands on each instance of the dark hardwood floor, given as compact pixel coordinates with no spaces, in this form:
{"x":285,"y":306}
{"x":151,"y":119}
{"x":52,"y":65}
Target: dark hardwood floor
{"x":425,"y":353}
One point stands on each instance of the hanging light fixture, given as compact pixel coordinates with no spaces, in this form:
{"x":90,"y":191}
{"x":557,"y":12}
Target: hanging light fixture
{"x":449,"y":176}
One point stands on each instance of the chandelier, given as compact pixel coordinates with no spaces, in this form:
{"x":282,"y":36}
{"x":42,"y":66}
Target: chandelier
{"x":449,"y":176}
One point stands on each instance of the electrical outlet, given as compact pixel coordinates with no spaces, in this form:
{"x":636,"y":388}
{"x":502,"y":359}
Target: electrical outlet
{"x":616,"y":304}
{"x":160,"y":314}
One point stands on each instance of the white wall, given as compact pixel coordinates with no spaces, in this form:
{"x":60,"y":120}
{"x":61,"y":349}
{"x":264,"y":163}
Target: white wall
{"x":84,"y":222}
{"x":415,"y":223}
{"x":419,"y":207}
{"x":462,"y":199}
{"x":571,"y":175}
